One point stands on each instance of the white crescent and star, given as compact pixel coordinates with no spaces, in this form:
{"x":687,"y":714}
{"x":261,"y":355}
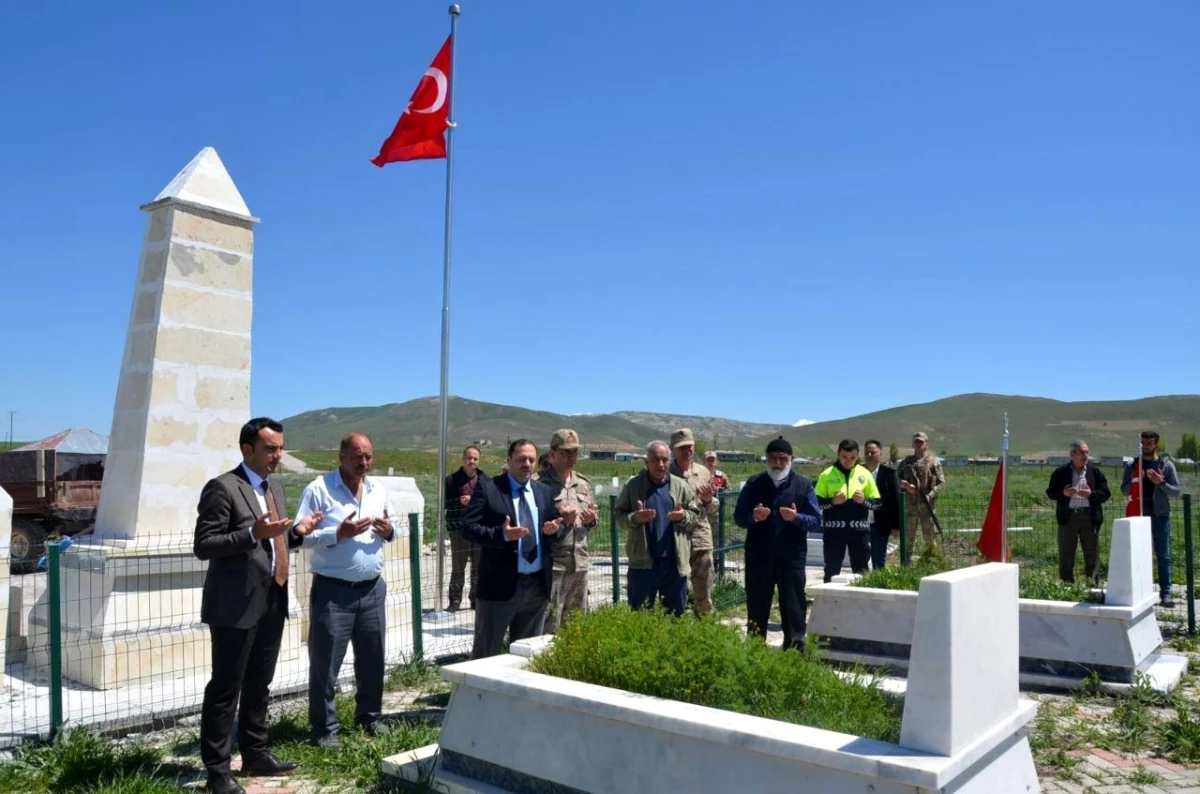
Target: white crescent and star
{"x":439,"y":77}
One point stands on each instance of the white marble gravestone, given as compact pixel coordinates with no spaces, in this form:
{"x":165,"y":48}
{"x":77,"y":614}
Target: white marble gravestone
{"x":131,"y":592}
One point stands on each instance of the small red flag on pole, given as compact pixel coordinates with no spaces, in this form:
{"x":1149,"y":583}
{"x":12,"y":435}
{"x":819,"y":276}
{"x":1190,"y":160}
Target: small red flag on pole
{"x":420,"y":134}
{"x":1133,"y":508}
{"x":991,"y":540}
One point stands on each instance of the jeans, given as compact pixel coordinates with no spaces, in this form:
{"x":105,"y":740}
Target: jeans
{"x":646,"y":585}
{"x":1160,"y":534}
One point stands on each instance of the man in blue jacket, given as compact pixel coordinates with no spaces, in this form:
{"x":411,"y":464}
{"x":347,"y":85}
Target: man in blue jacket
{"x":777,"y":508}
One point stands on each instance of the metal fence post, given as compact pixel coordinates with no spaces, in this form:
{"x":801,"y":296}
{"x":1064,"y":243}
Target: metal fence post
{"x":720,"y":534}
{"x":55,"y":594}
{"x":615,"y":551}
{"x":1188,"y":558}
{"x":903,"y":529}
{"x":414,"y":574}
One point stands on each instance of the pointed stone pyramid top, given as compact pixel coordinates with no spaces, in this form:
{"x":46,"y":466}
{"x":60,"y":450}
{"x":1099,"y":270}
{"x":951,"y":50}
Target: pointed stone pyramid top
{"x":204,"y":183}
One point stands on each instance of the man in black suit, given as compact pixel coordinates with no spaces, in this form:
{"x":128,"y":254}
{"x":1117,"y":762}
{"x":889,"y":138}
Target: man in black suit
{"x":886,"y":519}
{"x":243,"y":532}
{"x":515,"y":520}
{"x":1079,"y":490}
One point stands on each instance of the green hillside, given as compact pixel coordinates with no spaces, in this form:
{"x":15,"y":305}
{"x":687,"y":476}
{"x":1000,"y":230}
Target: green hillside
{"x":414,"y":424}
{"x":971,"y":424}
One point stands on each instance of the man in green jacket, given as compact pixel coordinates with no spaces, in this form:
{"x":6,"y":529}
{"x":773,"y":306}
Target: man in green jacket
{"x":658,"y":512}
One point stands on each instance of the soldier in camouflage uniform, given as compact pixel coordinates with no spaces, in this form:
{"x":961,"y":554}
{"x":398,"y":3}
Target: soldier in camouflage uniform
{"x":684,"y":466}
{"x":920,"y":473}
{"x":577,"y":506}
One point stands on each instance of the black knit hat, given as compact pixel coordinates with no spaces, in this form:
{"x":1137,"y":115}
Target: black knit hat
{"x":779,"y":445}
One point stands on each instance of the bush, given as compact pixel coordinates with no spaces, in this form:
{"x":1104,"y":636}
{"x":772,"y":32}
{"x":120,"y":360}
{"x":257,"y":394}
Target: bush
{"x":1033,"y":583}
{"x":707,"y":663}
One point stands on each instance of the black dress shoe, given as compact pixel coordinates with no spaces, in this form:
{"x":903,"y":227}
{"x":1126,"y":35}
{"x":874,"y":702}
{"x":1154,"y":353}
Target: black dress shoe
{"x":223,"y":784}
{"x":266,"y":765}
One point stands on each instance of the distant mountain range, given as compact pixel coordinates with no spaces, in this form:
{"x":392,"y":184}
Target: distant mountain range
{"x":414,"y":424}
{"x":965,"y":424}
{"x":972,"y":424}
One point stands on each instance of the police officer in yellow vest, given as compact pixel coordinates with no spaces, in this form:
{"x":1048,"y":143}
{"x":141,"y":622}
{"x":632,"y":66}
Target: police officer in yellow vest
{"x":847,"y":494}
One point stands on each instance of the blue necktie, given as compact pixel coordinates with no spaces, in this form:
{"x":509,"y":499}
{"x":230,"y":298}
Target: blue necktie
{"x":525,"y":519}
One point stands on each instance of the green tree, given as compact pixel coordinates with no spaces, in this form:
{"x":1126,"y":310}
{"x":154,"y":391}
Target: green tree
{"x":1188,"y":447}
{"x":893,"y":452}
{"x":1161,"y":449}
{"x":716,"y":443}
{"x":700,"y":449}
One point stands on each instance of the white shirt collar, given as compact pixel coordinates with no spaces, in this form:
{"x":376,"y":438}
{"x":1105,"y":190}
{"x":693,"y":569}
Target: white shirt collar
{"x":256,"y":482}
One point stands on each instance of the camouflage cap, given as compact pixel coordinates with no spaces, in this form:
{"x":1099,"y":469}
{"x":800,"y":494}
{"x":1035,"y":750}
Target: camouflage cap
{"x":682,"y":438}
{"x":710,"y":455}
{"x":564,"y":439}
{"x":920,"y":436}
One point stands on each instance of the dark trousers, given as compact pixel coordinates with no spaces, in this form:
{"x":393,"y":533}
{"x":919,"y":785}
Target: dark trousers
{"x":879,"y":544}
{"x":522,"y":616}
{"x":763,"y":578}
{"x":646,"y":585}
{"x":1079,"y":528}
{"x":243,"y":664}
{"x":837,"y":541}
{"x":462,"y":551}
{"x":345,"y":613}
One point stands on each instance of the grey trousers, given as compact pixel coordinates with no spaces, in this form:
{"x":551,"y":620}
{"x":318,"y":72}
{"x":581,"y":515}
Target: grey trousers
{"x":345,"y":614}
{"x":522,"y":616}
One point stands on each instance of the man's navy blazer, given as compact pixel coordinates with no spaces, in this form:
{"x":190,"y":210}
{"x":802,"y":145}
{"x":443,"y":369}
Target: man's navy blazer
{"x":484,"y":524}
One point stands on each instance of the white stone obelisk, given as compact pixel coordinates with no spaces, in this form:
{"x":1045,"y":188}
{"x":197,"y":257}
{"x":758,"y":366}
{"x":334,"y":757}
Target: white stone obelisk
{"x":184,"y":391}
{"x":131,"y":591}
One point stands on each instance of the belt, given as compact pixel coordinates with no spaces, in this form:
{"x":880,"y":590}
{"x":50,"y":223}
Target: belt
{"x":1079,"y":509}
{"x":364,"y":584}
{"x":530,"y":577}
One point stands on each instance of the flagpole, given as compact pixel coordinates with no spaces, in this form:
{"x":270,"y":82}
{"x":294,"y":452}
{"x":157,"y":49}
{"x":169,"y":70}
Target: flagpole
{"x":1004,"y":494}
{"x":443,"y":406}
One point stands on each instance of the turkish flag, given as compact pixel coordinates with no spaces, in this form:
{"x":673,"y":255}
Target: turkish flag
{"x":1133,"y":508}
{"x":420,"y":133}
{"x":991,"y":540}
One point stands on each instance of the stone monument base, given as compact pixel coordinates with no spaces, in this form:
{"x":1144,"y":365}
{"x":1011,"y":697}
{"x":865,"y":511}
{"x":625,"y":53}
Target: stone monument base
{"x":130,"y":615}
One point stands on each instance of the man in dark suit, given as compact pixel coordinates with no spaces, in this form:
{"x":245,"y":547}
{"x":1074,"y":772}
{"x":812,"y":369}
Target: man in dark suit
{"x":244,"y":534}
{"x":885,"y":521}
{"x":515,"y":520}
{"x":1079,"y":490}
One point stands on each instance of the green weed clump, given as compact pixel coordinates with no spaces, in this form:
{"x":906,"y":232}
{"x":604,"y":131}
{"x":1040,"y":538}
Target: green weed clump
{"x":707,"y":663}
{"x":79,"y":762}
{"x":358,"y":761}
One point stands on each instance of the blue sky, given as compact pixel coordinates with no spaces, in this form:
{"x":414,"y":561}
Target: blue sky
{"x":765,"y":211}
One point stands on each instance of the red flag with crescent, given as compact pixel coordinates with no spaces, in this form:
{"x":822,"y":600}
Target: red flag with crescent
{"x":420,"y":134}
{"x":991,"y":540}
{"x":1133,"y":508}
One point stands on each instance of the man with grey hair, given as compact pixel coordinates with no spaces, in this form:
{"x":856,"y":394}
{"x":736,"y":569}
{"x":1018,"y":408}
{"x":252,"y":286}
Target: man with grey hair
{"x":658,"y":511}
{"x":1079,"y":490}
